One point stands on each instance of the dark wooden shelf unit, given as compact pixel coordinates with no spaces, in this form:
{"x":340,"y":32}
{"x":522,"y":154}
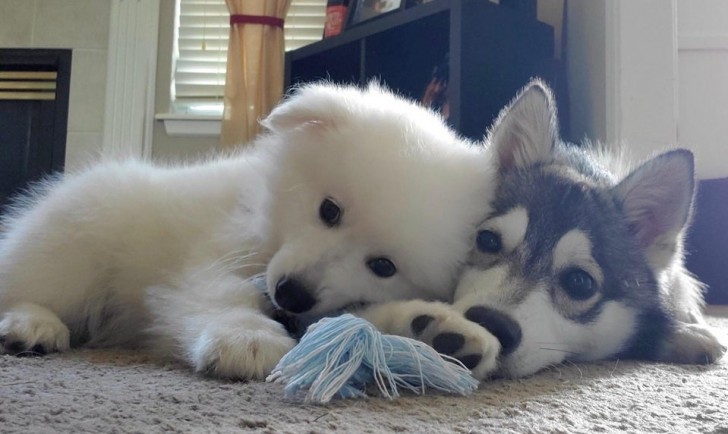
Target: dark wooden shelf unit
{"x":493,"y":51}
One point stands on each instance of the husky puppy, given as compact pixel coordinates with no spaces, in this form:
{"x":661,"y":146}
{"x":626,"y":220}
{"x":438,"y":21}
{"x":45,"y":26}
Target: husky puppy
{"x":351,"y":197}
{"x":581,"y":256}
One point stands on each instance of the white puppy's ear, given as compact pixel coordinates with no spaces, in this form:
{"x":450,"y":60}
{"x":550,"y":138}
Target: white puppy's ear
{"x":311,"y":105}
{"x":526,"y":131}
{"x":657,"y":197}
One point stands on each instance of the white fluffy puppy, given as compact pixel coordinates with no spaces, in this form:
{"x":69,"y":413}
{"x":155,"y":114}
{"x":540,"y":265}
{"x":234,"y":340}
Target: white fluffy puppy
{"x":352,"y":197}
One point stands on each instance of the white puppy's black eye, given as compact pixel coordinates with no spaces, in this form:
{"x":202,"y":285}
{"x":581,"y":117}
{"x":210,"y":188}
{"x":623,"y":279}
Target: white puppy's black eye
{"x":330,"y":212}
{"x":489,"y":242}
{"x":578,"y":284}
{"x":382,"y":267}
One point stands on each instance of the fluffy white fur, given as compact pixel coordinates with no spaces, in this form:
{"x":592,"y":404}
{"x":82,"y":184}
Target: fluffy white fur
{"x":131,"y":253}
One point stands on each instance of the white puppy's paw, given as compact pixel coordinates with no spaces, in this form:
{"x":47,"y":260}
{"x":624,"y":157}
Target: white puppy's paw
{"x":450,"y":333}
{"x":239,"y":353}
{"x":31,"y":330}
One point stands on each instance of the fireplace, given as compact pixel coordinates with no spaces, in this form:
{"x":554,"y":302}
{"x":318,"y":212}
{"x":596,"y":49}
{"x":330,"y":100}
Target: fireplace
{"x":34,"y":89}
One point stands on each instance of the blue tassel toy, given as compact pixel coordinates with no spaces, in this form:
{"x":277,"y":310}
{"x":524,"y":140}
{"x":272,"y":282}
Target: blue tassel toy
{"x":341,"y":356}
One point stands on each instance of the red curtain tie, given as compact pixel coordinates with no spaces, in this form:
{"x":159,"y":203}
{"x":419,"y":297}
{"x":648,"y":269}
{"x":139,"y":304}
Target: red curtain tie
{"x":256,"y":19}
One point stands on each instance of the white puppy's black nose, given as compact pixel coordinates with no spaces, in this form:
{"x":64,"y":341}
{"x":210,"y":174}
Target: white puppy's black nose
{"x":292,"y":295}
{"x":502,"y":326}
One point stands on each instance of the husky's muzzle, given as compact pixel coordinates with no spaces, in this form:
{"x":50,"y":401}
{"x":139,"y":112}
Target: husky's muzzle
{"x":499,"y":324}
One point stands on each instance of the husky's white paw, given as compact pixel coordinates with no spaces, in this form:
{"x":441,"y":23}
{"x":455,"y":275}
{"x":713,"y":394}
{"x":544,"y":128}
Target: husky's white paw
{"x":442,"y":327}
{"x":239,"y":353}
{"x":31,"y":330}
{"x":450,"y":333}
{"x":695,"y":344}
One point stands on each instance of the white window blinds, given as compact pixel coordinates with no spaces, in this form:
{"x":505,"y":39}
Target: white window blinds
{"x":202,"y":43}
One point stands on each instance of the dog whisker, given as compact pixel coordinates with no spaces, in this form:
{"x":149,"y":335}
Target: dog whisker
{"x":581,"y":374}
{"x":555,"y":367}
{"x":616,"y":363}
{"x":551,"y":343}
{"x":558,"y":350}
{"x":235,"y":260}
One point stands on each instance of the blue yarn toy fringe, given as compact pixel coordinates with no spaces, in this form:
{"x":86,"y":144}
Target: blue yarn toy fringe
{"x":339,"y":357}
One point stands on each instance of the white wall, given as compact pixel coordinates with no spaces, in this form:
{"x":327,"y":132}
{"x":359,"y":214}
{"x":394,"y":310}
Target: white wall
{"x":586,"y":69}
{"x":651,"y":74}
{"x":641,"y":73}
{"x":702,"y":58}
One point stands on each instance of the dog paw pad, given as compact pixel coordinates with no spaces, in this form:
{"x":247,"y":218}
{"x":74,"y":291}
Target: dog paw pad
{"x":20,"y":348}
{"x":13,"y":347}
{"x":471,"y":360}
{"x":36,"y":351}
{"x":448,"y":343}
{"x":420,"y":323}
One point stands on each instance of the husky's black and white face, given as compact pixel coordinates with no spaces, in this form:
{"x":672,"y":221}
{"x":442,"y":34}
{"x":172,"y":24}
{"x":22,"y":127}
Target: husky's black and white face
{"x":574,"y":263}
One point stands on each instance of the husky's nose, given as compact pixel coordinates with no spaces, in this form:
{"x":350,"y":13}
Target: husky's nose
{"x":292,"y":295}
{"x":502,"y":326}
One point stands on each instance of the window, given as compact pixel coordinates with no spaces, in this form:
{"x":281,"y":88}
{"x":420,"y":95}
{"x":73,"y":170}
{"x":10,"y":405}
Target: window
{"x":201,"y":52}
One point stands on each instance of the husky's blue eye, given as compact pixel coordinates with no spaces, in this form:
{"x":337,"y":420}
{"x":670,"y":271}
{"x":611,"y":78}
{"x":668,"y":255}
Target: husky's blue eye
{"x":330,"y":212}
{"x":578,"y":284}
{"x":489,"y":242}
{"x":382,"y":267}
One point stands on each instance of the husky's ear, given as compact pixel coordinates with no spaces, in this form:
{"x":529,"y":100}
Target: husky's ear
{"x":310,"y":105}
{"x":526,"y":131}
{"x":657,"y":197}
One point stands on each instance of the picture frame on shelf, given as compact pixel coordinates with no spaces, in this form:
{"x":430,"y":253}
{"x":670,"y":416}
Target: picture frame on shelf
{"x":336,"y":17}
{"x":364,"y":10}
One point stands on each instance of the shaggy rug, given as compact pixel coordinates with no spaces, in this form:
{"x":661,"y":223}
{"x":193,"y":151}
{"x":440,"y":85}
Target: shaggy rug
{"x":123,"y":392}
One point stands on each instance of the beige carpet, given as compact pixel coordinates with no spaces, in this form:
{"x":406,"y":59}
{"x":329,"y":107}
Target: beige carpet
{"x":123,"y":392}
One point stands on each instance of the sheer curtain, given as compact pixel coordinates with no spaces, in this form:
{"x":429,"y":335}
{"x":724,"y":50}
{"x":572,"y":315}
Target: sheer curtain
{"x":254,"y":78}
